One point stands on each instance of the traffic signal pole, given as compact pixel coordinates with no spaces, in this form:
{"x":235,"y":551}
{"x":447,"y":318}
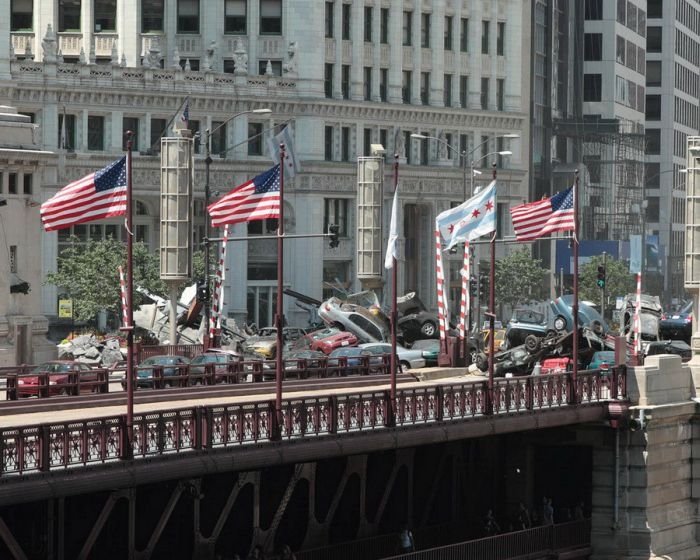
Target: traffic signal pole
{"x":602,"y":292}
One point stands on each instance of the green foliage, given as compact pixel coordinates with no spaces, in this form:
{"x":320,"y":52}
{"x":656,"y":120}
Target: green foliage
{"x":519,"y":278}
{"x":618,"y":279}
{"x":89,"y":273}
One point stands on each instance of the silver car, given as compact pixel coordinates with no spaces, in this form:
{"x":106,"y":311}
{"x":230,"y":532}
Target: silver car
{"x":409,"y":359}
{"x":355,"y":316}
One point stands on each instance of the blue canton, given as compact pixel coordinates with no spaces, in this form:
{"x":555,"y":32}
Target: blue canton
{"x":268,"y":181}
{"x":112,"y":176}
{"x":563,"y":200}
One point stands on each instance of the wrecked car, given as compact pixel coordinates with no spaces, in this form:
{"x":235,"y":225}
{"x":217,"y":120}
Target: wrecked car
{"x":649,"y":314}
{"x":359,"y":314}
{"x":415,"y":321}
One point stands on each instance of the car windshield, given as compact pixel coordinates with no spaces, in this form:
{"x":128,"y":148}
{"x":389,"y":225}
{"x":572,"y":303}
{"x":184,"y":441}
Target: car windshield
{"x":352,"y":351}
{"x":432,"y":344}
{"x":163,"y":360}
{"x":53,"y":367}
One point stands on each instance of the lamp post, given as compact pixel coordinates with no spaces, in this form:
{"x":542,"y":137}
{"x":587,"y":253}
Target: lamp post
{"x":207,"y":161}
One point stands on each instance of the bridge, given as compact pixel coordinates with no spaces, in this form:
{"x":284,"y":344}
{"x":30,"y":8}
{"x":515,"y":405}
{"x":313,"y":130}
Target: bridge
{"x":345,"y":462}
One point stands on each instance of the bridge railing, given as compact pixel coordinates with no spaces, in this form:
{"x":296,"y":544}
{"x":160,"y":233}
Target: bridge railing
{"x":79,"y":443}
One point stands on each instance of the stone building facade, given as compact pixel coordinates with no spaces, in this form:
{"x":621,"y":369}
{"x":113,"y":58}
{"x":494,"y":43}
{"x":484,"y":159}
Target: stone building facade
{"x":342,"y":75}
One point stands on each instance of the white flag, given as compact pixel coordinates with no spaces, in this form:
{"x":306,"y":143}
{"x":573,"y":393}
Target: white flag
{"x":391,"y":253}
{"x":291,"y":164}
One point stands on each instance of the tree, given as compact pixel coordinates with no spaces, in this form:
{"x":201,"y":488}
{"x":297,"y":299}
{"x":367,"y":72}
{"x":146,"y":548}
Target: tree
{"x":89,"y":273}
{"x":519,"y":278}
{"x":618,"y":279}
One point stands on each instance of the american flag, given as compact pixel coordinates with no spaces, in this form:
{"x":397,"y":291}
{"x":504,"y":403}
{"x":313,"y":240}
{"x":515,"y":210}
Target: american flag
{"x":536,"y":219}
{"x":100,"y":195}
{"x":257,"y":199}
{"x":185,"y":117}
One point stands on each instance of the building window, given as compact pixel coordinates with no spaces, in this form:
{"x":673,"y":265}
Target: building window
{"x":501,"y":38}
{"x":500,"y":93}
{"x":194,"y":63}
{"x":69,"y":15}
{"x":275,"y":67}
{"x":447,"y":90}
{"x":592,"y":87}
{"x":335,"y":211}
{"x":621,"y":11}
{"x":464,"y":91}
{"x":218,"y":138}
{"x":484,"y":93}
{"x":345,"y":81}
{"x":328,"y":80}
{"x":368,"y":83}
{"x":654,"y":39}
{"x":464,"y":35}
{"x":66,"y":134}
{"x":448,"y":33}
{"x":96,"y":133}
{"x":12,"y":183}
{"x":655,"y":9}
{"x":408,"y":145}
{"x":424,"y":153}
{"x":593,"y":46}
{"x":383,"y":79}
{"x":407,"y":29}
{"x":384,"y":26}
{"x":270,"y":17}
{"x":158,"y":128}
{"x":188,"y":16}
{"x":485,"y":37}
{"x":653,"y":73}
{"x":328,"y":143}
{"x":653,"y":141}
{"x":448,"y":141}
{"x":368,"y":24}
{"x":345,"y":143}
{"x":367,"y":141}
{"x":593,"y":9}
{"x":425,"y":31}
{"x":22,"y":15}
{"x":330,"y":19}
{"x":336,"y":274}
{"x":484,"y":147}
{"x":425,"y":88}
{"x":105,"y":15}
{"x":620,"y":49}
{"x":383,"y":135}
{"x":406,"y":86}
{"x":27,"y":179}
{"x":235,"y":18}
{"x":152,"y":16}
{"x":255,"y":144}
{"x":132,"y":124}
{"x":229,"y":66}
{"x":13,"y":259}
{"x":345,"y":23}
{"x":653,"y":108}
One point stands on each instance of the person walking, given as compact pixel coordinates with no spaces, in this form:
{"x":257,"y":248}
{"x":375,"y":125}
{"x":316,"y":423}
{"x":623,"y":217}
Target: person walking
{"x":406,"y":540}
{"x":523,"y":517}
{"x":547,"y":511}
{"x":490,"y":524}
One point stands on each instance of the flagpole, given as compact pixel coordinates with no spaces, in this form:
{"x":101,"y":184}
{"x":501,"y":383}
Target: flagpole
{"x":279,"y":316}
{"x":492,"y":312}
{"x":394,"y":313}
{"x":129,"y":327}
{"x":574,"y":372}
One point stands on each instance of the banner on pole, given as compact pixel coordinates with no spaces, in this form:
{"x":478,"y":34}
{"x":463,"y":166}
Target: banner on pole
{"x":635,"y":254}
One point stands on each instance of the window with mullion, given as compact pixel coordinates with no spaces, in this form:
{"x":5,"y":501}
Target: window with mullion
{"x":368,"y":24}
{"x":235,"y":17}
{"x":330,"y":19}
{"x":255,"y":144}
{"x":105,"y":14}
{"x":152,"y":16}
{"x":270,"y":17}
{"x":448,"y":33}
{"x":22,"y":15}
{"x":335,"y":211}
{"x":425,"y":31}
{"x":188,"y":16}
{"x":407,"y":29}
{"x":68,"y":15}
{"x":96,"y":133}
{"x":345,"y":22}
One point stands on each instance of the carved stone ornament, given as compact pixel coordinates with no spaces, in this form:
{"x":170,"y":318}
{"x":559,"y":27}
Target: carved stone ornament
{"x":240,"y":59}
{"x":209,"y":57}
{"x":48,"y":45}
{"x":153,"y":57}
{"x":290,"y":65}
{"x":81,"y":56}
{"x":268,"y":68}
{"x":114,"y":55}
{"x":176,"y":58}
{"x":28,"y":55}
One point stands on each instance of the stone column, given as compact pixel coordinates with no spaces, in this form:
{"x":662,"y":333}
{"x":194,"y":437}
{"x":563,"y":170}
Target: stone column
{"x":358,"y":49}
{"x":437,"y":44}
{"x":395,"y":52}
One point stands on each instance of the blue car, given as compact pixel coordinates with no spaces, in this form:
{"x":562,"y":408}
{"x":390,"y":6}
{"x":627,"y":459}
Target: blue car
{"x":677,"y":325}
{"x":603,"y":360}
{"x":563,"y":317}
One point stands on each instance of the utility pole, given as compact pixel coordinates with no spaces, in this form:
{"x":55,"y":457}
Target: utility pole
{"x":602,"y":292}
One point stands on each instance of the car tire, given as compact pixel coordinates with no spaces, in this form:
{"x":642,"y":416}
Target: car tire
{"x":597,"y":327}
{"x":428,"y":329}
{"x":482,"y":361}
{"x":405,"y":365}
{"x":532,"y":343}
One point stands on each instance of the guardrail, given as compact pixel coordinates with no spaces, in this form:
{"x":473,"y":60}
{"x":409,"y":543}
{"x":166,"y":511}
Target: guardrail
{"x":62,"y":445}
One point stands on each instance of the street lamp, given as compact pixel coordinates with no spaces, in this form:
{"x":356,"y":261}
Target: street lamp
{"x":207,"y":161}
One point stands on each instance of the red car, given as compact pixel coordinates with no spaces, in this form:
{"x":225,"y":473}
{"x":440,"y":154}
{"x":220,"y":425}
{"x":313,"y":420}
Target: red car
{"x":326,"y":340}
{"x":59,"y":382}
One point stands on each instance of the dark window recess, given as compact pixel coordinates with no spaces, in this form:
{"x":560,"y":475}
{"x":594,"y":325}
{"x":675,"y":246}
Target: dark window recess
{"x":66,"y":133}
{"x":158,"y":127}
{"x":655,"y":9}
{"x":330,"y":19}
{"x":27,"y":178}
{"x":593,"y":9}
{"x":345,"y":81}
{"x":275,"y":67}
{"x":255,"y":143}
{"x":188,"y":16}
{"x":229,"y":66}
{"x":96,"y":133}
{"x":653,"y":140}
{"x":130,"y":124}
{"x":345,"y":143}
{"x":328,"y":143}
{"x":22,"y":15}
{"x":384,"y":26}
{"x":194,"y":63}
{"x":592,"y":87}
{"x":270,"y":17}
{"x":12,"y":183}
{"x":68,"y":15}
{"x":152,"y":16}
{"x":368,"y":24}
{"x":654,"y":37}
{"x":345,"y":22}
{"x":105,"y":15}
{"x":593,"y":46}
{"x":235,"y":17}
{"x":328,"y":81}
{"x":653,"y":108}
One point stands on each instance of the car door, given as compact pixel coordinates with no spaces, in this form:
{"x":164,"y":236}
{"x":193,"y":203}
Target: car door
{"x":87,"y":375}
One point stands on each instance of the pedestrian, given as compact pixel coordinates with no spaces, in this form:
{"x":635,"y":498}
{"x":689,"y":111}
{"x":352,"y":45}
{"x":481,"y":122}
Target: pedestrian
{"x":257,"y":553}
{"x":406,"y":540}
{"x":578,"y":511}
{"x":490,"y":524}
{"x":547,"y":511}
{"x":287,"y":553}
{"x":523,"y":517}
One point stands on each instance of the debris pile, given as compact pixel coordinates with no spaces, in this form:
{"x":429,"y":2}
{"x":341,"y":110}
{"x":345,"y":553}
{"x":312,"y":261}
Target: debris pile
{"x":92,"y":350}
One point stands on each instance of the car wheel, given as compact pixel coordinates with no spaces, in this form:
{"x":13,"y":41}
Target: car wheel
{"x":482,"y":362}
{"x":597,"y":327}
{"x":473,"y":354}
{"x":532,"y":343}
{"x":405,"y":365}
{"x":428,"y":329}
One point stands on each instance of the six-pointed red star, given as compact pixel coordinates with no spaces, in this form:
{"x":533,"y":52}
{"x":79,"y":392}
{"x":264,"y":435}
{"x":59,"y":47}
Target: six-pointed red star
{"x":451,"y":228}
{"x":475,"y":213}
{"x":489,"y":205}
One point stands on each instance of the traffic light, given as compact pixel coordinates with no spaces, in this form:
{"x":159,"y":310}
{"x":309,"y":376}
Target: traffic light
{"x":483,"y":285}
{"x":333,"y":230}
{"x":473,"y":287}
{"x":203,"y":292}
{"x":601,"y":277}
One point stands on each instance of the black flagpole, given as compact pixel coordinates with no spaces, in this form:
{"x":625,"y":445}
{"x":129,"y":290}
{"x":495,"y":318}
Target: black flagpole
{"x":492,"y":312}
{"x":574,"y":309}
{"x":394,"y":312}
{"x":279,"y":316}
{"x":129,"y":327}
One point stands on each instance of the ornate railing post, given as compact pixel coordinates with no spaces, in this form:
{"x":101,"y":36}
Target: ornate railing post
{"x":333,"y":413}
{"x":44,"y":448}
{"x":275,"y":427}
{"x":199,"y":431}
{"x":126,"y":450}
{"x":439,"y":400}
{"x":390,"y":417}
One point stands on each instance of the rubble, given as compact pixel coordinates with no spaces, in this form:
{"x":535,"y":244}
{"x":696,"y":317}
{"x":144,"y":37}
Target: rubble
{"x":92,"y":350}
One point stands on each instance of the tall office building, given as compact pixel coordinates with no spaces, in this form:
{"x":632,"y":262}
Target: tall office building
{"x":342,"y":75}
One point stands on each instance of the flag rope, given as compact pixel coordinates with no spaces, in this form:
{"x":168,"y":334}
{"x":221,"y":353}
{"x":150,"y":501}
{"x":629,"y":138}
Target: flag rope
{"x":122,"y":291}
